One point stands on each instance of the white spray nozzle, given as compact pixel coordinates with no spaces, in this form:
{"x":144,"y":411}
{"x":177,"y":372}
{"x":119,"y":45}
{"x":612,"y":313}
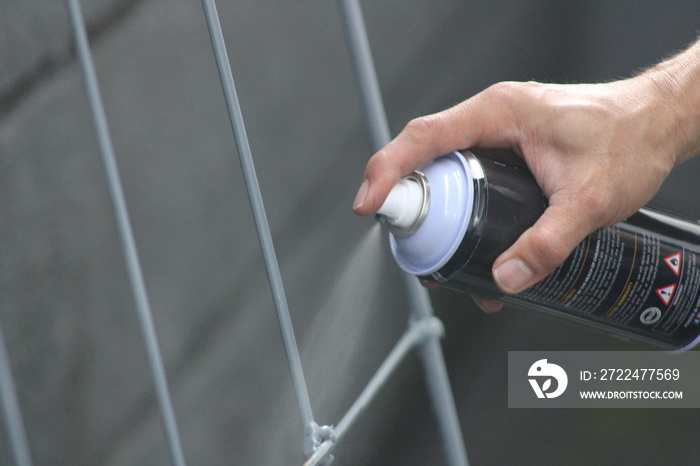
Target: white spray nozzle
{"x":406,"y":204}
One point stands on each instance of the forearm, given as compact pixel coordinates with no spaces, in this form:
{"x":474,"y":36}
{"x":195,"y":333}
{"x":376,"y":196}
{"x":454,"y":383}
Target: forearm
{"x":677,"y":82}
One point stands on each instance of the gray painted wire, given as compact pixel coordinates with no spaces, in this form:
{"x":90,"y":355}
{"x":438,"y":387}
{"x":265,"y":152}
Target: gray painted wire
{"x":420,"y":304}
{"x":418,"y":331}
{"x":126,"y":235}
{"x":12,"y":410}
{"x":256,"y":203}
{"x":430,"y":350}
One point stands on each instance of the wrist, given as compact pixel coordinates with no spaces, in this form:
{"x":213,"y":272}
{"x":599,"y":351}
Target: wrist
{"x":675,"y":84}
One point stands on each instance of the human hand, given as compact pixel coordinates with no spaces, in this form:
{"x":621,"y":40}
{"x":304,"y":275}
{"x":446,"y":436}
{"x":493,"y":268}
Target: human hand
{"x":599,"y":152}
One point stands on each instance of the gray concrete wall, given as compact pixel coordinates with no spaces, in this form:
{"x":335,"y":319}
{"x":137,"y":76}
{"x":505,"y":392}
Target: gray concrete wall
{"x":66,"y":306}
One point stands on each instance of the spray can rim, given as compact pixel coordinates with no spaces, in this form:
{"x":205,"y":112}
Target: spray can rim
{"x":448,"y":216}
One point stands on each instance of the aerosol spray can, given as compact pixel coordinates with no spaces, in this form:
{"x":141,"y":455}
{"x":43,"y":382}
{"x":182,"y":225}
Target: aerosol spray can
{"x":640,"y":278}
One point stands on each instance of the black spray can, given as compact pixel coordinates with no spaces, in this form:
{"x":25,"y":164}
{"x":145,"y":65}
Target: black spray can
{"x":640,"y":278}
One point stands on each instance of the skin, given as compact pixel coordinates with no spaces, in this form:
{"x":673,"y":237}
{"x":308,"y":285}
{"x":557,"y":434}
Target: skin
{"x":598,"y":151}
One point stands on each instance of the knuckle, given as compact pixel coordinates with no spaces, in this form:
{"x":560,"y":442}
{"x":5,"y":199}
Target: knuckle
{"x":595,"y":202}
{"x":507,"y":89}
{"x":382,"y":164}
{"x":549,"y":249}
{"x":422,"y":130}
{"x":503,"y":87}
{"x":512,"y":101}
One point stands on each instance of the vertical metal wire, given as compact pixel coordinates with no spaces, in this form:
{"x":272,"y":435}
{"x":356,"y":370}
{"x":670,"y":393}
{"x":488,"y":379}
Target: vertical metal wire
{"x":430,"y":350}
{"x":11,"y":409}
{"x":256,"y":202}
{"x":131,"y":257}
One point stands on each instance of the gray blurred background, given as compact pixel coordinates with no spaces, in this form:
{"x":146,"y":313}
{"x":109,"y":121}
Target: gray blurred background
{"x":66,"y":307}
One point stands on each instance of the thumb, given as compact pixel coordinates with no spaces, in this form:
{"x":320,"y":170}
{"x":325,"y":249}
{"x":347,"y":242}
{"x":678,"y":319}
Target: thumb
{"x":541,"y":248}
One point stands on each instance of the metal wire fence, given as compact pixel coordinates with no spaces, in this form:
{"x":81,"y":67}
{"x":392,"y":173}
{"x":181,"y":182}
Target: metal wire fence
{"x":424,"y":329}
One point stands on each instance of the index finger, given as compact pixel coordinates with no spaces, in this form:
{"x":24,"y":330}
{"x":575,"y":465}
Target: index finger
{"x":481,"y":119}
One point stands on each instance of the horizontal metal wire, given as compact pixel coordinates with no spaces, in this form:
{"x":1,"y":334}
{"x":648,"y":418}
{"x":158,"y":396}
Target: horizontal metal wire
{"x":417,"y":332}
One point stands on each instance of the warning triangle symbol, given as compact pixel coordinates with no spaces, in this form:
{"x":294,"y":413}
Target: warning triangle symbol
{"x":665,"y":293}
{"x":674,"y":262}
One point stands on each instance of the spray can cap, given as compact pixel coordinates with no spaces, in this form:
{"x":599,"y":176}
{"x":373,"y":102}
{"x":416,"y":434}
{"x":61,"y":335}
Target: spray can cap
{"x":406,"y":205}
{"x":428,"y":214}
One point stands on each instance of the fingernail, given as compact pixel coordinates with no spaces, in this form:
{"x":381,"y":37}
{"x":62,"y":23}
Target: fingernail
{"x":489,"y":306}
{"x":361,"y":195}
{"x":513,"y":275}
